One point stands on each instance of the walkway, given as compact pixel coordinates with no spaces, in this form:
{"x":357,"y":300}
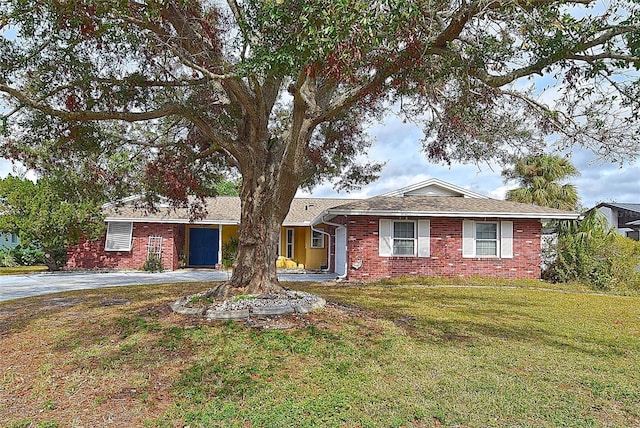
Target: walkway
{"x":17,"y":286}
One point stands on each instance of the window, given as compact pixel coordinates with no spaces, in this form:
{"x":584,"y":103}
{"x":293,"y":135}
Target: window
{"x":118,"y":236}
{"x":289,"y":243}
{"x":317,"y":239}
{"x":404,"y":238}
{"x":486,"y":239}
{"x":14,"y":239}
{"x":634,"y":234}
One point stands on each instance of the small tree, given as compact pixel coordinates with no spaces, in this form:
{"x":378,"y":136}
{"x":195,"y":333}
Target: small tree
{"x":45,"y":218}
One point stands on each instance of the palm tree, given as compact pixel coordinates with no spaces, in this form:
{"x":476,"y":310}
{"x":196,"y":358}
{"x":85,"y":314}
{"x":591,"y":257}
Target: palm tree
{"x":541,"y":182}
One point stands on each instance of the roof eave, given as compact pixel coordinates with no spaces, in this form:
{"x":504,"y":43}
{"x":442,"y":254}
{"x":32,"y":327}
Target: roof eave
{"x":170,"y":220}
{"x":545,"y":216}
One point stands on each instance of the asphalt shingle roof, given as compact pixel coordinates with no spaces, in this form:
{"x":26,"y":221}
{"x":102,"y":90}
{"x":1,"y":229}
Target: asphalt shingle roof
{"x":442,"y":205}
{"x":624,"y":206}
{"x":224,"y":209}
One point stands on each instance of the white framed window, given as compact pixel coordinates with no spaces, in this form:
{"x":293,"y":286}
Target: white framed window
{"x":486,"y":239}
{"x":404,"y":238}
{"x":14,"y":239}
{"x":290,"y":236}
{"x":317,"y":239}
{"x":118,"y":236}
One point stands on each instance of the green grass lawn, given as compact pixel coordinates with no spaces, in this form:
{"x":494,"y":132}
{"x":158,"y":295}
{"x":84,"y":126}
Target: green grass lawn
{"x":376,"y":356}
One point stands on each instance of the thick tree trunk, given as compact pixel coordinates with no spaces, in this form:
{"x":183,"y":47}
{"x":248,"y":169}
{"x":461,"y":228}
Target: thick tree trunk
{"x":266,"y":197}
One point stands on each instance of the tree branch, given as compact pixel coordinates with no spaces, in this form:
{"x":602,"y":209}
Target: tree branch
{"x":166,"y":110}
{"x":497,"y":81}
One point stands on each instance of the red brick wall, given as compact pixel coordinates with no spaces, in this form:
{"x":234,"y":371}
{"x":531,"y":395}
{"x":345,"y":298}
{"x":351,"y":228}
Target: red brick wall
{"x":92,"y":255}
{"x":446,"y":252}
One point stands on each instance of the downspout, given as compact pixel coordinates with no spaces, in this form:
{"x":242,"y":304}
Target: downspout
{"x":315,"y":221}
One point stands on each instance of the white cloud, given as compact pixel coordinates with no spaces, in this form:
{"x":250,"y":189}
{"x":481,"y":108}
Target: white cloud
{"x":398,"y":143}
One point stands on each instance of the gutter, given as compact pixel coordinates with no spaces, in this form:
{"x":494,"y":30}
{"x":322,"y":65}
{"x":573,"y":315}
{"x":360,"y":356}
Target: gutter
{"x":461,"y":214}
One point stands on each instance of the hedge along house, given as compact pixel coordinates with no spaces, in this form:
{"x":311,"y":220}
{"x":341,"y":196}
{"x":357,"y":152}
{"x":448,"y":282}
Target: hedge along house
{"x":133,"y":234}
{"x":437,"y":229}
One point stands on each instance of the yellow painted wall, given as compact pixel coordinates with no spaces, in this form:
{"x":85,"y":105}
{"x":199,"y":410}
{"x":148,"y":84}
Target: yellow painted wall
{"x":311,"y":258}
{"x":229,"y":232}
{"x":316,"y":257}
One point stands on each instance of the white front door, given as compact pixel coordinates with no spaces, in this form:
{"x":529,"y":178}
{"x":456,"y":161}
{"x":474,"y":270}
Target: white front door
{"x":341,"y":251}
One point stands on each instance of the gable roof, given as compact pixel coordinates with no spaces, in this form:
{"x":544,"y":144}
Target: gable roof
{"x":434,"y":187}
{"x":220,"y":210}
{"x":442,"y":206}
{"x":620,"y":206}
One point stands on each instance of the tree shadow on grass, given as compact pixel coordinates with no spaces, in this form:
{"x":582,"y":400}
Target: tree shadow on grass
{"x":452,"y":317}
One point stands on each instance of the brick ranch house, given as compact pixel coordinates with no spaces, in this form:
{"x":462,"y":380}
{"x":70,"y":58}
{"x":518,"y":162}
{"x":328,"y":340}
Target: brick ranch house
{"x":431,"y":228}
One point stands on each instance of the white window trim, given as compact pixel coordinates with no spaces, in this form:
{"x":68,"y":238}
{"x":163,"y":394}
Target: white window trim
{"x":496,"y":240}
{"x":414,"y":239}
{"x":422,"y":238}
{"x":125,"y":245}
{"x":504,"y":239}
{"x":320,"y":237}
{"x":291,"y":243}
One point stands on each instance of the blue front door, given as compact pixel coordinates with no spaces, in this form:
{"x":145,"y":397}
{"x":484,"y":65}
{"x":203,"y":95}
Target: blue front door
{"x":203,"y":246}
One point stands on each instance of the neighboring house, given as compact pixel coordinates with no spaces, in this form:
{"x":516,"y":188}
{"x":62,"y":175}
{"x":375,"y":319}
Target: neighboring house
{"x":624,"y":218}
{"x":432,"y":228}
{"x":8,"y":240}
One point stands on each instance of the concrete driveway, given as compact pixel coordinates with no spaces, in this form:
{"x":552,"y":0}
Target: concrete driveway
{"x":17,"y":286}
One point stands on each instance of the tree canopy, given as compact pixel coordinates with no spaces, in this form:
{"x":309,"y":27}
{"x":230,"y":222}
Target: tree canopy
{"x":163,"y":95}
{"x":542,"y":182}
{"x":45,"y":218}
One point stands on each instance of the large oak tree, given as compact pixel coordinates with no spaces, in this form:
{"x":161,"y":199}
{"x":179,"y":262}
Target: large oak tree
{"x":282,"y":91}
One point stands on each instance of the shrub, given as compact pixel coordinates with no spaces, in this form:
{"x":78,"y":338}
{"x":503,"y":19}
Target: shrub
{"x":587,"y":251}
{"x":7,"y":259}
{"x":152,"y":264}
{"x":21,"y":257}
{"x":29,"y":256}
{"x":229,"y":252}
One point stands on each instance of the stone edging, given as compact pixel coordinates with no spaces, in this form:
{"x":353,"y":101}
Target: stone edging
{"x":242,"y":309}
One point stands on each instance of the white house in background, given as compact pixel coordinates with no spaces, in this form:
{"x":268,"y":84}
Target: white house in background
{"x":624,"y":217}
{"x":8,"y":240}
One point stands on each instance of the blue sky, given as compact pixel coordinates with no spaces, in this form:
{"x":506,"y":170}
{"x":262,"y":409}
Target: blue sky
{"x":399,"y":145}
